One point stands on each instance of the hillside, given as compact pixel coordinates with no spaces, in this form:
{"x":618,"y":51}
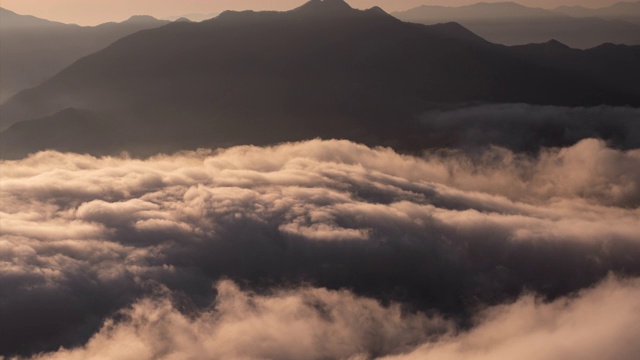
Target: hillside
{"x":33,"y":49}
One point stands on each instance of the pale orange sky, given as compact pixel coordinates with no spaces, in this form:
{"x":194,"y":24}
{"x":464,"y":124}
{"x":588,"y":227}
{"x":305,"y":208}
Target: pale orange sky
{"x":91,"y":12}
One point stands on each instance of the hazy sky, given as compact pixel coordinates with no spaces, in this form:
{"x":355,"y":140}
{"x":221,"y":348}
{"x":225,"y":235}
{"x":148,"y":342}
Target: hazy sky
{"x":90,"y":12}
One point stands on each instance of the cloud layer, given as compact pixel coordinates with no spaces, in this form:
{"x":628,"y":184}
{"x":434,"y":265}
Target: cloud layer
{"x":600,"y":323}
{"x":313,"y":323}
{"x":82,"y":238}
{"x":306,"y":323}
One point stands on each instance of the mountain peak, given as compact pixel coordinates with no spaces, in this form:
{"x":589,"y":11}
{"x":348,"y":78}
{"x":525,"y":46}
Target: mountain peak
{"x":326,"y":7}
{"x":377,"y":10}
{"x":141,"y":19}
{"x":555,"y":44}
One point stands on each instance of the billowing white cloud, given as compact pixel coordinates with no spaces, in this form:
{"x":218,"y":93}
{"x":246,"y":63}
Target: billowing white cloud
{"x":311,"y":323}
{"x":306,"y":323}
{"x":81,"y":237}
{"x":600,"y":323}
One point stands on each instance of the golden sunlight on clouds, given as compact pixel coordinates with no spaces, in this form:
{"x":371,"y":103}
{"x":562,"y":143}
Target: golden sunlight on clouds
{"x":173,"y":244}
{"x":314,"y":323}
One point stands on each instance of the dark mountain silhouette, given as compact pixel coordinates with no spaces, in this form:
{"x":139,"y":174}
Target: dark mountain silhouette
{"x":322,"y":70}
{"x":625,"y":11}
{"x":621,"y":62}
{"x":325,"y":7}
{"x":34,"y":49}
{"x":88,"y":131}
{"x":513,"y":24}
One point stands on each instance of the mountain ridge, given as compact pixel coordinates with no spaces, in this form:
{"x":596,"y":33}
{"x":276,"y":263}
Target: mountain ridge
{"x":11,"y":19}
{"x":267,"y":77}
{"x":625,"y":10}
{"x":35,"y":49}
{"x":514,"y":24}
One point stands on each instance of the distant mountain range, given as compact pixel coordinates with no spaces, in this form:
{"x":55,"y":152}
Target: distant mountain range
{"x":513,"y":24}
{"x":33,"y":49}
{"x":321,"y":70}
{"x":625,"y":11}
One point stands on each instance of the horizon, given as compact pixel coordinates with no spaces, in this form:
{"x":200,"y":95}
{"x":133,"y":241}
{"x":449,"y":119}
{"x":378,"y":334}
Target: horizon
{"x":83,"y":12}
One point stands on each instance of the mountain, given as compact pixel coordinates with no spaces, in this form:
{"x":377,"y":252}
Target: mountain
{"x":32,"y":49}
{"x":480,"y":11}
{"x":197,"y":17}
{"x":513,"y":24}
{"x":608,"y":63}
{"x":321,"y":70}
{"x":11,"y":20}
{"x":625,"y":11}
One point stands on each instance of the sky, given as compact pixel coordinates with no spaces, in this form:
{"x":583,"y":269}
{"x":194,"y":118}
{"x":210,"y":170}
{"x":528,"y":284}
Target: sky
{"x":92,"y":12}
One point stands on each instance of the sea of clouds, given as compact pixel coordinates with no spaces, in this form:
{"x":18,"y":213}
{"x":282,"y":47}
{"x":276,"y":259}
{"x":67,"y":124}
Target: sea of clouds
{"x":322,"y":250}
